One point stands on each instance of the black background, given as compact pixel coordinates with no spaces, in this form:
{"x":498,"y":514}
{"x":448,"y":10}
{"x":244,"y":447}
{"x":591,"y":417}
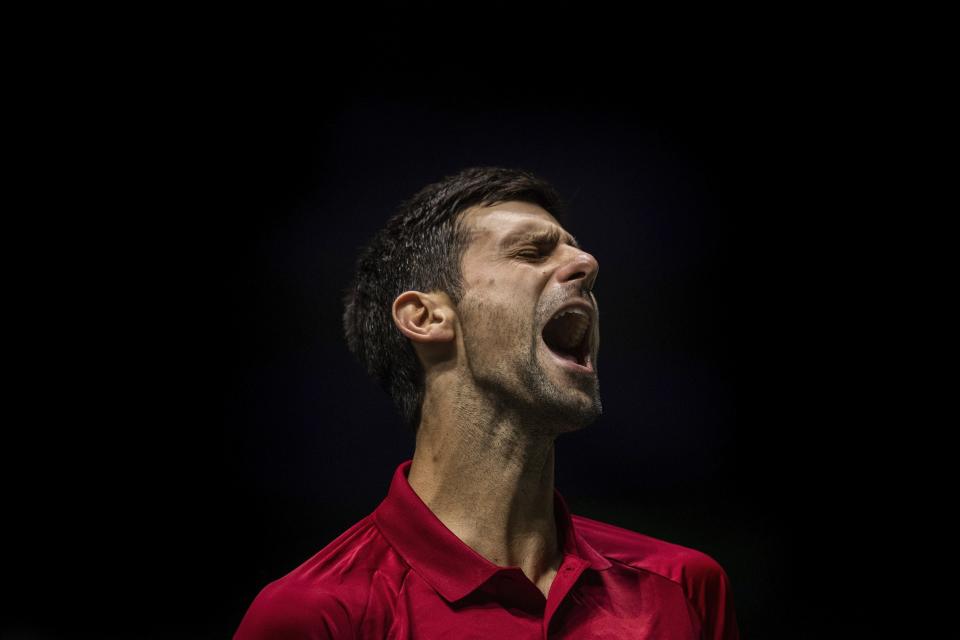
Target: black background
{"x":197,"y":428}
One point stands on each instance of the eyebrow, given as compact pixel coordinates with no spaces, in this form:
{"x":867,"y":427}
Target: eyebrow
{"x":551,"y":235}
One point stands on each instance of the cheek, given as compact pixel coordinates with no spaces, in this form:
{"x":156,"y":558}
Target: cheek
{"x":494,"y":326}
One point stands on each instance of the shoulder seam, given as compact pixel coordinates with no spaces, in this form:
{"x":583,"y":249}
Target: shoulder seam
{"x":392,"y":548}
{"x":366,"y":607}
{"x":403,"y":561}
{"x":686,"y":596}
{"x":645,"y":570}
{"x":693,"y":608}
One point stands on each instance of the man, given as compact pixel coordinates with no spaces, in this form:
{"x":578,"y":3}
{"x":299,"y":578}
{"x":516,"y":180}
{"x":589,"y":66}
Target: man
{"x":474,"y":309}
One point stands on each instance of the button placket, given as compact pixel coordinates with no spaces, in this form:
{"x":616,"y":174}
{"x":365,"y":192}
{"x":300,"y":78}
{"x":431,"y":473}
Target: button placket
{"x":567,"y":576}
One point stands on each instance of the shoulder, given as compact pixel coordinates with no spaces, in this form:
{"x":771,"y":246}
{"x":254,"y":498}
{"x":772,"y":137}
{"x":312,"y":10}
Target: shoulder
{"x":704,"y":581}
{"x":331,"y":594}
{"x":641,"y":551}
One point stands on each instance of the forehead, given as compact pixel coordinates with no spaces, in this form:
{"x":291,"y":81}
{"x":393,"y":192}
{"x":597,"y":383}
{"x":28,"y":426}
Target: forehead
{"x":493,"y":226}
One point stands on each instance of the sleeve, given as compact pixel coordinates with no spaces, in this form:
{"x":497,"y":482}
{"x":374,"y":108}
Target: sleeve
{"x":709,"y":591}
{"x":283,"y":614}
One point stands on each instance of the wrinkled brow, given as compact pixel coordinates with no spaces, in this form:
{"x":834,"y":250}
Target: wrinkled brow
{"x":551,"y":235}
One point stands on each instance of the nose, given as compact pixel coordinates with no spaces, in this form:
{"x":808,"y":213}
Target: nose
{"x":580,"y":266}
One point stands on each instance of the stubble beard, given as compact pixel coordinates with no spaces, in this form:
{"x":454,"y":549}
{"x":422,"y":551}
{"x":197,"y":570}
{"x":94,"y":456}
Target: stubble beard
{"x":516,"y":380}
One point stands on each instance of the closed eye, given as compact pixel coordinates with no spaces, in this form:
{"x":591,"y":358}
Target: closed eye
{"x":529,"y":254}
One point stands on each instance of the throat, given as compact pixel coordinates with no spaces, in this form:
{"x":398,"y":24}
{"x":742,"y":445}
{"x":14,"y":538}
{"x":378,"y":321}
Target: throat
{"x":546,"y":581}
{"x":500,"y":506}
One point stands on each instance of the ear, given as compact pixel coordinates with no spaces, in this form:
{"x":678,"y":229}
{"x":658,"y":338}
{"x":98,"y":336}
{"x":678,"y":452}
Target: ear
{"x":425,"y":317}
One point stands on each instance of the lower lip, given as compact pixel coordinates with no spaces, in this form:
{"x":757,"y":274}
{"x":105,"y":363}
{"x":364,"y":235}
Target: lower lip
{"x":570,"y":364}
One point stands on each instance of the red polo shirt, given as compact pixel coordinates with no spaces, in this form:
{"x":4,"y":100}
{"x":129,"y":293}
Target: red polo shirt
{"x":400,"y":573}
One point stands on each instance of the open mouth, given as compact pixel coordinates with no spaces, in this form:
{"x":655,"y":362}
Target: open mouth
{"x":567,"y":335}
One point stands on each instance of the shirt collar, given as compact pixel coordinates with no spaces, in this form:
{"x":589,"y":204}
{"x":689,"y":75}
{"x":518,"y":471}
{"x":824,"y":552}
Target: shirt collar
{"x":444,"y":560}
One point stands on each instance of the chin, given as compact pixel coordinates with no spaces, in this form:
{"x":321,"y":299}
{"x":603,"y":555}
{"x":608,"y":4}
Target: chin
{"x":574,"y":412}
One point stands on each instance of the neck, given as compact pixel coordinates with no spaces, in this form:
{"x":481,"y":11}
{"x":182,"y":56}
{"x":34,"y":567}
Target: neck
{"x":490,"y":481}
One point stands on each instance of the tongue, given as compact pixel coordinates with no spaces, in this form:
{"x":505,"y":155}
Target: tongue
{"x":565,"y":356}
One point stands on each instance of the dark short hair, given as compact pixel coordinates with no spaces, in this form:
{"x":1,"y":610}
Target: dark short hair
{"x":421,"y":248}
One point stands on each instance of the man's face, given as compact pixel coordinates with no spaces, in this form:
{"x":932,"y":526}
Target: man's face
{"x":519,"y":270}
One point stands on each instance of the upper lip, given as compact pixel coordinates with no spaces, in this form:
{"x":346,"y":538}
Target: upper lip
{"x":591,"y":313}
{"x":575,"y":304}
